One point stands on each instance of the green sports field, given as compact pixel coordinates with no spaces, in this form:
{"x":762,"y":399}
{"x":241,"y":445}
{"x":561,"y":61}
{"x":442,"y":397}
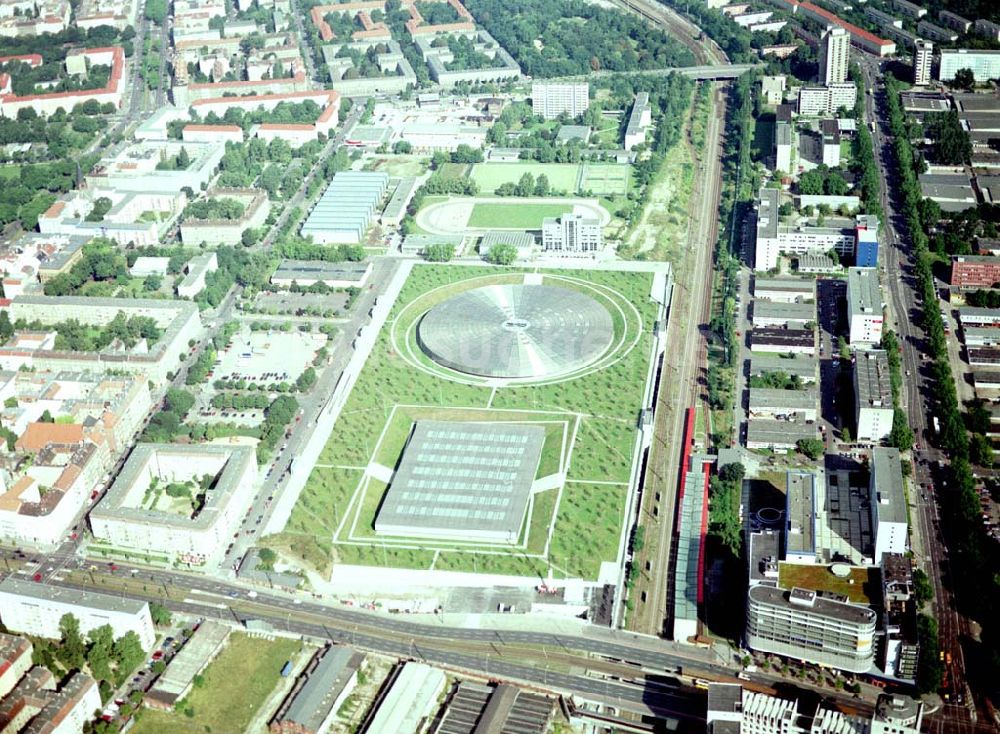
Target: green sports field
{"x":514,"y":215}
{"x":590,"y":420}
{"x":490,"y":176}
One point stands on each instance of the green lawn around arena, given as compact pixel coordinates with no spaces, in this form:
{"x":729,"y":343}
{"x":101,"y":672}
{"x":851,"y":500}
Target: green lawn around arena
{"x":331,"y":521}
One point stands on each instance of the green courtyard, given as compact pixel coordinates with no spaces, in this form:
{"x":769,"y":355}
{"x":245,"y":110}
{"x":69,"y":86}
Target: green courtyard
{"x":590,"y":420}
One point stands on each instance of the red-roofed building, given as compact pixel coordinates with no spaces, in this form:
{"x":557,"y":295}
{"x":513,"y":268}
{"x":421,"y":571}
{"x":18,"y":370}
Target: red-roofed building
{"x":195,"y":133}
{"x":861,"y":38}
{"x":327,"y":99}
{"x":46,"y":104}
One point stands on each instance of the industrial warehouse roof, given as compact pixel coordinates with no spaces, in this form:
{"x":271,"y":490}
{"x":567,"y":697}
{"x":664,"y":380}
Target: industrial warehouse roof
{"x":779,"y":337}
{"x":320,"y":270}
{"x":804,"y":286}
{"x":800,"y":513}
{"x":871,"y":375}
{"x":767,"y":431}
{"x":888,"y":475}
{"x":766,"y":397}
{"x":476,"y":708}
{"x":788,"y":312}
{"x":348,"y":203}
{"x":978,"y":315}
{"x":793,"y":365}
{"x":410,"y":697}
{"x":310,"y":706}
{"x":463,"y":480}
{"x":197,"y":652}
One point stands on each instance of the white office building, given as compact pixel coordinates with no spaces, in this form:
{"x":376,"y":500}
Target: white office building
{"x":864,"y":306}
{"x":552,"y":99}
{"x":923,"y":55}
{"x":834,"y":55}
{"x":872,"y":396}
{"x":35,"y":609}
{"x":774,"y":238}
{"x":574,"y":233}
{"x":888,"y":503}
{"x":985,"y":65}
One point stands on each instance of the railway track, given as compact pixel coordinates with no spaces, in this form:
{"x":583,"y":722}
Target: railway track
{"x":680,"y":387}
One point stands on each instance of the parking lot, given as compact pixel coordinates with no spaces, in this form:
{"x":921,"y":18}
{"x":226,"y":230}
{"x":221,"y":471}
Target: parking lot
{"x":265,"y":357}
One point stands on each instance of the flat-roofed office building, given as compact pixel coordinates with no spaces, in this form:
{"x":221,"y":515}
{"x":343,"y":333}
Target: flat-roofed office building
{"x":872,"y":396}
{"x":804,"y":625}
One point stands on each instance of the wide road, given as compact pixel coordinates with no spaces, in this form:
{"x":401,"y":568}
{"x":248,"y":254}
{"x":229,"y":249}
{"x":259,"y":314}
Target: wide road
{"x":905,"y":307}
{"x":633,"y":672}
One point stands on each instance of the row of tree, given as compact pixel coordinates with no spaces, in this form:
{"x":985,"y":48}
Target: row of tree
{"x":551,"y":38}
{"x":978,"y":588}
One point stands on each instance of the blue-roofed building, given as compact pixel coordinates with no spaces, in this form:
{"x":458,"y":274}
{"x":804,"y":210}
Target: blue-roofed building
{"x":347,"y":207}
{"x":866,"y":249}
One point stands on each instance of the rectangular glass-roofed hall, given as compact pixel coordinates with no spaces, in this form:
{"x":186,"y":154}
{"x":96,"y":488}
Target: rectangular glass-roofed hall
{"x":345,"y":210}
{"x":463,"y":481}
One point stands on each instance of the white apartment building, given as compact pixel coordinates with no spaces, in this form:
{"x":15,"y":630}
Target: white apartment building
{"x":923,"y":55}
{"x":575,"y":233}
{"x":552,"y":99}
{"x":888,"y":503}
{"x":864,"y":306}
{"x":35,"y":609}
{"x":825,"y":101}
{"x":834,"y":55}
{"x":131,"y":518}
{"x":872,"y":396}
{"x":985,"y":65}
{"x":772,"y":89}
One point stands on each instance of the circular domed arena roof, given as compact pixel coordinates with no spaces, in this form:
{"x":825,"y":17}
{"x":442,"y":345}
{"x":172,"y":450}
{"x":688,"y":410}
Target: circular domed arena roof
{"x":516,"y":331}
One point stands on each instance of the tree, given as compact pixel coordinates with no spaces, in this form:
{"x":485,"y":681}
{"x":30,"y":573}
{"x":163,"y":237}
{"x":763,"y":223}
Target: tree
{"x":402,"y":147}
{"x":542,"y":187}
{"x":901,"y":436}
{"x":732,"y":472}
{"x":267,"y":558}
{"x":922,"y":589}
{"x":183,"y":159}
{"x":152,"y":283}
{"x":160,"y":614}
{"x":72,"y":651}
{"x":128,"y":654}
{"x":964,"y":79}
{"x":502,"y":254}
{"x":46,"y":417}
{"x":6,"y":327}
{"x":439,"y":253}
{"x":812,"y":448}
{"x":980,"y":450}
